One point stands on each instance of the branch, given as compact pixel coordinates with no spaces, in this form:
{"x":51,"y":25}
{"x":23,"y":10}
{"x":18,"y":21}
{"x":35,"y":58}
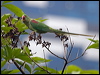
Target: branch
{"x":45,"y":58}
{"x":18,"y":66}
{"x":82,"y":53}
{"x":52,"y":52}
{"x":66,"y":62}
{"x":33,"y":60}
{"x":70,"y":51}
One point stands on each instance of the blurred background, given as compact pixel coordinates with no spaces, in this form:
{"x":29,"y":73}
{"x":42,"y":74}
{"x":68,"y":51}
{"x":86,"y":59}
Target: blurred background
{"x":78,"y":16}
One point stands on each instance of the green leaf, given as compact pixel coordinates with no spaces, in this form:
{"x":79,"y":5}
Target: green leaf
{"x":76,"y":72}
{"x":25,"y":58}
{"x":4,"y":17}
{"x":5,"y":41}
{"x":14,"y":71}
{"x":90,"y":72}
{"x":7,"y":52}
{"x":6,"y":29}
{"x":5,"y":71}
{"x":21,"y":27}
{"x":4,"y":2}
{"x":27,"y":50}
{"x":28,"y":67}
{"x":16,"y":52}
{"x":3,"y":63}
{"x":40,"y":60}
{"x":17,"y":11}
{"x":95,"y":45}
{"x":93,"y":40}
{"x":73,"y":68}
{"x":39,"y":70}
{"x":19,"y":62}
{"x":14,"y":20}
{"x":23,"y":33}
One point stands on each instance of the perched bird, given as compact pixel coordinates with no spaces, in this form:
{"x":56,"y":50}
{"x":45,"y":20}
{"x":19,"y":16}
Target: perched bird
{"x":41,"y":28}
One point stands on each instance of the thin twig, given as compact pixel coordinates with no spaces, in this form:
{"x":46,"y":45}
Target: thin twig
{"x":65,"y":53}
{"x":70,"y":43}
{"x":82,"y":53}
{"x":45,"y":59}
{"x":53,"y":53}
{"x":77,"y":53}
{"x":70,"y":51}
{"x":22,"y":64}
{"x":65,"y":61}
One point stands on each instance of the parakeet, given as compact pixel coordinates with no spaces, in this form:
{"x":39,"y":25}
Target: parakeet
{"x":41,"y":28}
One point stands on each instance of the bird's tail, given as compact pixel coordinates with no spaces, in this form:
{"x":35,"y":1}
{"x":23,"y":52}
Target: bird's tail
{"x":79,"y":34}
{"x":68,"y":33}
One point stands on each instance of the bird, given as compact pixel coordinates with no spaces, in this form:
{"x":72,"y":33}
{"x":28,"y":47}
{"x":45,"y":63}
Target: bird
{"x":41,"y":28}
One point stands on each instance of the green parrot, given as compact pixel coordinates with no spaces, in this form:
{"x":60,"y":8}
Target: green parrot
{"x":41,"y":28}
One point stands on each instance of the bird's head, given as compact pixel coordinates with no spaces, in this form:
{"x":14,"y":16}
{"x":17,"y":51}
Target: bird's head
{"x":25,"y":18}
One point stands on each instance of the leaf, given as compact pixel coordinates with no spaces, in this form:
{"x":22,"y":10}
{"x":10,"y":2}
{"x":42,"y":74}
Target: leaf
{"x":5,"y":71}
{"x":73,"y":68}
{"x":95,"y":45}
{"x":6,"y":29}
{"x":14,"y":71}
{"x":26,"y":49}
{"x":40,"y":60}
{"x":7,"y":52}
{"x":23,"y":33}
{"x":17,"y":11}
{"x":14,"y":20}
{"x":90,"y":72}
{"x":21,"y":27}
{"x":39,"y":70}
{"x":76,"y":72}
{"x":25,"y":58}
{"x":4,"y":2}
{"x":26,"y":65}
{"x":5,"y":16}
{"x":3,"y":63}
{"x":5,"y":41}
{"x":16,"y":52}
{"x":93,"y":40}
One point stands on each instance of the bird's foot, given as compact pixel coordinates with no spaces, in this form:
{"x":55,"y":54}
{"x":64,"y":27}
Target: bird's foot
{"x":32,"y":36}
{"x":39,"y":39}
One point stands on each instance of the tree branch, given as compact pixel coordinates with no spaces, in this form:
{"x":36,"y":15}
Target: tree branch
{"x":82,"y":53}
{"x":33,"y":60}
{"x":18,"y":66}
